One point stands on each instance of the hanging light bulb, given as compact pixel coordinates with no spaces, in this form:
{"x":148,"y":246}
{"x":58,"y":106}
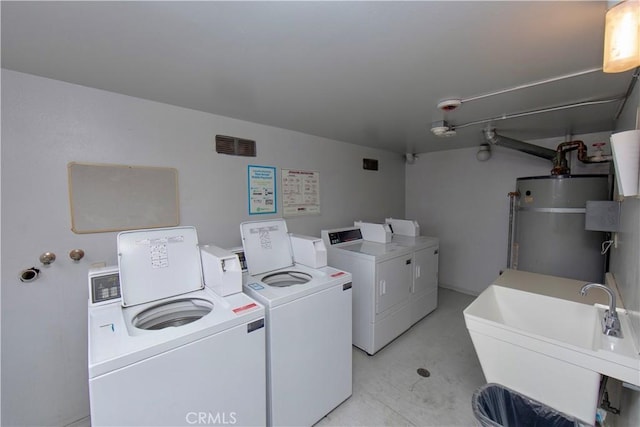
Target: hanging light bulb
{"x":484,"y":152}
{"x":622,"y":37}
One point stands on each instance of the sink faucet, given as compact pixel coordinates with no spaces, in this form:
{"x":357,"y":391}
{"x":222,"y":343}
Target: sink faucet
{"x":611,"y":322}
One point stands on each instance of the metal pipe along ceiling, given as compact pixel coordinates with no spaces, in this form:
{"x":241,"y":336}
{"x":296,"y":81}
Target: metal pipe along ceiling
{"x":542,"y":110}
{"x":532,"y":84}
{"x":492,"y":137}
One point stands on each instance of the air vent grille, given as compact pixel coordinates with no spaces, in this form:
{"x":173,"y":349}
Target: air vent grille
{"x":235,"y":146}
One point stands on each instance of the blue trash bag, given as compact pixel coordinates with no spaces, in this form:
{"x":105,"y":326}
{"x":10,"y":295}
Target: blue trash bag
{"x":497,"y":406}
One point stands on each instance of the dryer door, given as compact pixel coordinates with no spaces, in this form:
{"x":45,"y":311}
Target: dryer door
{"x":394,"y":279}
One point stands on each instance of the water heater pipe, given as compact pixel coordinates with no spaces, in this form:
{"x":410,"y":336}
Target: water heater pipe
{"x":557,"y":156}
{"x":560,"y":165}
{"x":492,"y":137}
{"x":512,"y":205}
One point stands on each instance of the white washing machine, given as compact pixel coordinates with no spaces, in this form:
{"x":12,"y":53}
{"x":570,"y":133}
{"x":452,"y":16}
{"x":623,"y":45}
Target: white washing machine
{"x":308,"y":310}
{"x":394,"y":284}
{"x":164,"y":350}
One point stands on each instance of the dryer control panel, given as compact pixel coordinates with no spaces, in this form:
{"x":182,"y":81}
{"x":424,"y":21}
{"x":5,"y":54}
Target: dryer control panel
{"x":342,"y":235}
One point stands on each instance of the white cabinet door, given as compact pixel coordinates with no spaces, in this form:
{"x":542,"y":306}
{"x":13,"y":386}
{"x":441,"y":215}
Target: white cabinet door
{"x":425,"y":270}
{"x":394,"y":279}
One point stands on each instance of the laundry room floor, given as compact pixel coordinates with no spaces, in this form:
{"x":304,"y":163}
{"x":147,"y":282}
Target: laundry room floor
{"x":387,"y":389}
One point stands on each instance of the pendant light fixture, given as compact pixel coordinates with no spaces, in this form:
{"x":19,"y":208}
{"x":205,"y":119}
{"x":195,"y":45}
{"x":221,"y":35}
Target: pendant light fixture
{"x":484,"y":152}
{"x":622,"y":37}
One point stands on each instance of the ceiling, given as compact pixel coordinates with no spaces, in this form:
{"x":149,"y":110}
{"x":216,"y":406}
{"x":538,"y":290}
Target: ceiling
{"x":368,"y":73}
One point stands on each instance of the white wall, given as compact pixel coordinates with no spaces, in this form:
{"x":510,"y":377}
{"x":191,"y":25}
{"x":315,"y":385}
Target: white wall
{"x":625,"y":258}
{"x":625,"y":266}
{"x":45,"y":125}
{"x":625,"y":263}
{"x":464,"y":202}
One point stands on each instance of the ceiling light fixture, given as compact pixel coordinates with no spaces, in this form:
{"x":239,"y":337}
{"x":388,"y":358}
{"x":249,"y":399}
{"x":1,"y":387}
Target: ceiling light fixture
{"x":484,"y":152}
{"x":622,"y":37}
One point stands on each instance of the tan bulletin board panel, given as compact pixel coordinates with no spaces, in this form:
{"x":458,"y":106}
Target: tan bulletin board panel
{"x":107,"y":197}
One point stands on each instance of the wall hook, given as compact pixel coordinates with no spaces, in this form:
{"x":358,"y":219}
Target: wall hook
{"x":605,"y":246}
{"x":76,"y":254}
{"x":47,"y":258}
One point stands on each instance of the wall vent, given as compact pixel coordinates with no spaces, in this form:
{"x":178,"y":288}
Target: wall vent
{"x":370,"y":164}
{"x":235,"y":146}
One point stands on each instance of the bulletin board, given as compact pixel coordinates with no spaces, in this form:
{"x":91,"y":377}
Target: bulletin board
{"x":107,"y":197}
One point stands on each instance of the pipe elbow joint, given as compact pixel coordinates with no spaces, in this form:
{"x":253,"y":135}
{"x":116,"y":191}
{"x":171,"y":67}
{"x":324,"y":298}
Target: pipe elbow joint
{"x":490,"y":135}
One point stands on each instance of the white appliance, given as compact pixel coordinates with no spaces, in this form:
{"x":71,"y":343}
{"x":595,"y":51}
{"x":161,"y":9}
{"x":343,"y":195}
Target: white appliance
{"x":426,"y":256}
{"x":164,"y":350}
{"x":374,"y":232}
{"x":221,"y":270}
{"x":426,"y":253}
{"x":309,"y":251}
{"x":394,"y":284}
{"x":309,"y":366}
{"x":403,"y":227}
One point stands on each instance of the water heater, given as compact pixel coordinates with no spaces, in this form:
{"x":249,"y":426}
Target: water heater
{"x":548,"y":229}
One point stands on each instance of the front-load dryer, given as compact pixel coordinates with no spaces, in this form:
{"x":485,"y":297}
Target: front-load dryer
{"x":164,"y":350}
{"x":308,"y":310}
{"x":394,"y":284}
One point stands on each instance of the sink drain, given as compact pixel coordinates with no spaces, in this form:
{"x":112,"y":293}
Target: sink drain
{"x":423,"y":372}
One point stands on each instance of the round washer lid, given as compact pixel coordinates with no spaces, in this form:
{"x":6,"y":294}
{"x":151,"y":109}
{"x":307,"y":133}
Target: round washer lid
{"x":158,"y":263}
{"x":267,"y":245}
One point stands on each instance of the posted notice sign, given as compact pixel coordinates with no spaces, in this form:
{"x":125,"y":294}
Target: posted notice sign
{"x":262,"y":190}
{"x":300,"y":192}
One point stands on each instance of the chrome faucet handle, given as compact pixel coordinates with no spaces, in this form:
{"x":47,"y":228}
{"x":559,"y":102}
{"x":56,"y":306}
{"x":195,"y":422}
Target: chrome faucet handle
{"x":610,"y":322}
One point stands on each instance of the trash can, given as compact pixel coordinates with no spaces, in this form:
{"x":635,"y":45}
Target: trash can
{"x":497,"y":406}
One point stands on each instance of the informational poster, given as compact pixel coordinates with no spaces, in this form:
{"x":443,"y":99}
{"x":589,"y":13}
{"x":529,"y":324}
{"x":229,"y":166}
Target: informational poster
{"x":300,"y":192}
{"x":262,"y":190}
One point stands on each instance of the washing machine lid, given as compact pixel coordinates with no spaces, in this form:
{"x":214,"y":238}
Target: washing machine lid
{"x":159,"y":263}
{"x":267,"y":246}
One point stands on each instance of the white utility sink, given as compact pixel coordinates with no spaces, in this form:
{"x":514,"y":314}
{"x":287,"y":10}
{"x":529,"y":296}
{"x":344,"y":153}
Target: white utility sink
{"x":550,"y":349}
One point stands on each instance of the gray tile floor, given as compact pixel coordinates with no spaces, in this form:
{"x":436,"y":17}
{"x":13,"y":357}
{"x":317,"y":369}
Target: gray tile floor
{"x":387,"y":390}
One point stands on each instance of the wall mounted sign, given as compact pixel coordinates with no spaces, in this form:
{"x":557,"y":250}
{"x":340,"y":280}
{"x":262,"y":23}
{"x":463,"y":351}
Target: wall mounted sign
{"x":105,"y":197}
{"x":300,"y":192}
{"x":262,"y":190}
